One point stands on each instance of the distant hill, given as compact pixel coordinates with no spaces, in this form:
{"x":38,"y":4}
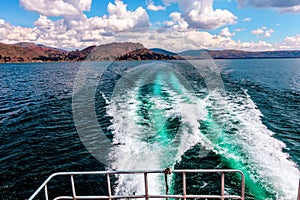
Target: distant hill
{"x":237,"y":54}
{"x":110,"y":52}
{"x":228,"y":54}
{"x":39,"y":47}
{"x":145,"y":54}
{"x":30,"y":52}
{"x":193,"y":53}
{"x":158,"y":50}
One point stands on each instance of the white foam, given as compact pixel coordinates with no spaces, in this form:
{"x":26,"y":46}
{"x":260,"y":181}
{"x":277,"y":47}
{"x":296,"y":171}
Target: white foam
{"x":264,"y":153}
{"x":136,"y":153}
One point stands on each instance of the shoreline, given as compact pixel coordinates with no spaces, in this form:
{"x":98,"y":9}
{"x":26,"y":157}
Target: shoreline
{"x":70,"y":61}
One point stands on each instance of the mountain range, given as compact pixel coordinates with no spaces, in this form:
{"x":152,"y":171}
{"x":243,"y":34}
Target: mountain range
{"x":30,"y":52}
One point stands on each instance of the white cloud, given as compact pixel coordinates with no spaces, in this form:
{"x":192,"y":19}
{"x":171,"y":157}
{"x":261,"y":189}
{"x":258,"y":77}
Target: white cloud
{"x":77,"y":32}
{"x":255,"y":46}
{"x":151,"y":6}
{"x":57,"y":7}
{"x":14,"y":34}
{"x":120,"y":19}
{"x":294,"y":9}
{"x":290,"y":42}
{"x":118,"y":24}
{"x":190,"y":39}
{"x":269,"y":32}
{"x":177,"y":23}
{"x":258,"y":31}
{"x":200,"y":14}
{"x":239,"y":29}
{"x":281,"y":5}
{"x":263,"y":32}
{"x":55,"y":33}
{"x":246,"y":19}
{"x":268,"y":3}
{"x":226,"y":33}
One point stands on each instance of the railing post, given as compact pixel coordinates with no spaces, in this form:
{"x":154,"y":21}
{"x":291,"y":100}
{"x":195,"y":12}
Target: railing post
{"x":146,"y":186}
{"x":243,"y":186}
{"x":147,"y":196}
{"x":184,"y":184}
{"x":166,"y":172}
{"x":108,"y":185}
{"x":222,"y":184}
{"x":46,"y":192}
{"x":73,"y":186}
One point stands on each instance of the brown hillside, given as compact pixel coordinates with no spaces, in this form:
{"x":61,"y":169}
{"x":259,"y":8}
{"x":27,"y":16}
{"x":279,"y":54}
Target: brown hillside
{"x":29,"y":52}
{"x":145,"y":54}
{"x":111,"y":52}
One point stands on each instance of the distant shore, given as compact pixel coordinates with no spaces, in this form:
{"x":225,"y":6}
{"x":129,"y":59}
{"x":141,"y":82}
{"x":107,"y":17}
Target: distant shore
{"x":33,"y":53}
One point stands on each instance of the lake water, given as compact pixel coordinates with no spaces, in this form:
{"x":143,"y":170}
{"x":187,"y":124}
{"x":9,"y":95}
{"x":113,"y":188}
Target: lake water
{"x":241,"y":114}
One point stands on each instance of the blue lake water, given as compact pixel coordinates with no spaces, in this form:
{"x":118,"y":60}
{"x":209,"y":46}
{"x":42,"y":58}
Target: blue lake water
{"x":145,"y":109}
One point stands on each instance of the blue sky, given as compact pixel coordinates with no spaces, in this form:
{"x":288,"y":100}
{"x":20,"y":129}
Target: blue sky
{"x":219,"y":24}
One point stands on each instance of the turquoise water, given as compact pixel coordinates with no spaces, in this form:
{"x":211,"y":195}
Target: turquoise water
{"x":161,"y":115}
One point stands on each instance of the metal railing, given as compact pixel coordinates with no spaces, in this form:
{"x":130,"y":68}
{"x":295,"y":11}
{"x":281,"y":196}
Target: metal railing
{"x":146,"y":195}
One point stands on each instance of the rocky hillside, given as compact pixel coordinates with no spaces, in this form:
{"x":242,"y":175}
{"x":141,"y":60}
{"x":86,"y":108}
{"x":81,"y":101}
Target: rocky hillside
{"x":29,"y":52}
{"x":110,"y":52}
{"x":145,"y":54}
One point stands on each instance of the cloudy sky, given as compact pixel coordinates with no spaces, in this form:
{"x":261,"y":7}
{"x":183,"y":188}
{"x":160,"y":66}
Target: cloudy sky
{"x":171,"y":24}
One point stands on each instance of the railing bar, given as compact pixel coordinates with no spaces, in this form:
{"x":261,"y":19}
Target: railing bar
{"x":145,"y":171}
{"x":152,"y":196}
{"x":46,"y":192}
{"x":146,"y":186}
{"x":206,"y":170}
{"x":147,"y":195}
{"x":108,"y":185}
{"x":73,"y":187}
{"x":42,"y":186}
{"x":184,"y":184}
{"x":222,"y":184}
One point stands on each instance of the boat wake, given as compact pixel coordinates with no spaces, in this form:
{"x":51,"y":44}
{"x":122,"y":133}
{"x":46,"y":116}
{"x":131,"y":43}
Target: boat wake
{"x":156,"y":117}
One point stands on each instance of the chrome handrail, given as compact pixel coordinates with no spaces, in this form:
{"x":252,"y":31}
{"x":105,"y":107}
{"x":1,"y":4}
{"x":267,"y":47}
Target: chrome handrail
{"x":146,"y":195}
